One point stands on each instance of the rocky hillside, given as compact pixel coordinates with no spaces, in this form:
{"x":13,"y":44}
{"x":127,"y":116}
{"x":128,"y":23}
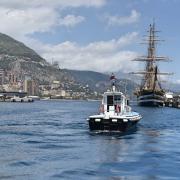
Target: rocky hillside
{"x":98,"y":81}
{"x":11,"y":47}
{"x":17,"y":57}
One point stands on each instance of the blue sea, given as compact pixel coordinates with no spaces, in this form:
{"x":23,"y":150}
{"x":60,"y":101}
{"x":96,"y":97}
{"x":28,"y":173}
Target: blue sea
{"x":51,"y":140}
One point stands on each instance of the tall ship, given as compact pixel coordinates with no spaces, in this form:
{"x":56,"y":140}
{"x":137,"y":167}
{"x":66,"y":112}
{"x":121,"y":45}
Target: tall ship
{"x":150,"y":92}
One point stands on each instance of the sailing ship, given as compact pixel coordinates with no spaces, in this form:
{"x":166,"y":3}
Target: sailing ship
{"x":115,"y":113}
{"x":150,"y":92}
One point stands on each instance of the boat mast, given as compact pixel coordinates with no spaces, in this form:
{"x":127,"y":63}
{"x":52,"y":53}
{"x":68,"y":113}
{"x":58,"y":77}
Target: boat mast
{"x":113,"y":80}
{"x":150,"y":76}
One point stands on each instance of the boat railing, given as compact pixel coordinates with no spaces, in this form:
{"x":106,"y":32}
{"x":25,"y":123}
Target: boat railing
{"x":128,"y":108}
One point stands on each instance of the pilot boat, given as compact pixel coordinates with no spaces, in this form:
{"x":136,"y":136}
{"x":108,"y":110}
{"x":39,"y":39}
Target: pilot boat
{"x":115,"y":113}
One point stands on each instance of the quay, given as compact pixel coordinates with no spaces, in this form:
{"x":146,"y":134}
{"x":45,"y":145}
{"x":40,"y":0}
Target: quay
{"x":14,"y":96}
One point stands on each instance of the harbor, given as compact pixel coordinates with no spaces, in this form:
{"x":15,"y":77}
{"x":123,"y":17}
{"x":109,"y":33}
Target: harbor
{"x":89,"y":90}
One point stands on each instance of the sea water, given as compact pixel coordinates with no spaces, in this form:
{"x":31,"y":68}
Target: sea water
{"x":51,"y":140}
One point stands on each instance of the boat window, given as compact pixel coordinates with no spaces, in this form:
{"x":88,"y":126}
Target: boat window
{"x":117,"y":98}
{"x":110,"y":100}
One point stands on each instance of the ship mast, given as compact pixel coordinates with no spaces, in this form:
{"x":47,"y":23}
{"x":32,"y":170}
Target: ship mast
{"x":151,"y":76}
{"x":150,"y":80}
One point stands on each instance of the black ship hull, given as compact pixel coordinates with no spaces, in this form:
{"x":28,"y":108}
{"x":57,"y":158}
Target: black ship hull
{"x":109,"y":125}
{"x":151,"y":99}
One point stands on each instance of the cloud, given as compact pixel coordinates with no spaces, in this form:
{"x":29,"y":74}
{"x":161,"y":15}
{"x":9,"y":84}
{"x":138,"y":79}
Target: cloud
{"x":19,"y":23}
{"x":123,"y":20}
{"x":103,"y":56}
{"x":177,"y":81}
{"x":21,"y":18}
{"x":19,"y":4}
{"x":71,"y":20}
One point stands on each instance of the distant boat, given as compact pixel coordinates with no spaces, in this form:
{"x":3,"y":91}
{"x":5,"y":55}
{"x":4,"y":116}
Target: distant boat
{"x":93,"y":100}
{"x":46,"y":98}
{"x":169,"y":99}
{"x":151,"y":93}
{"x":34,"y":97}
{"x":115,"y":113}
{"x":21,"y":99}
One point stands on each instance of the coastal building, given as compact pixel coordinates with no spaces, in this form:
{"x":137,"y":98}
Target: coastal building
{"x":2,"y":76}
{"x":31,"y":87}
{"x":55,"y":93}
{"x":12,"y":78}
{"x":55,"y":85}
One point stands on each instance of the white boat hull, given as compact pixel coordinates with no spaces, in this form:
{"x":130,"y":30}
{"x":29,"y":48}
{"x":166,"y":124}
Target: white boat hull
{"x":119,"y":123}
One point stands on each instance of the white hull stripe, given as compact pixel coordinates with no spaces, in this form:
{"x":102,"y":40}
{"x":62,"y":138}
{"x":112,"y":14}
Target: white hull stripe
{"x":151,"y":100}
{"x":150,"y":95}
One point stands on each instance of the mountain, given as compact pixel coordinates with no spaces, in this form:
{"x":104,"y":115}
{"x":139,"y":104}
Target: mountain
{"x":101,"y":82}
{"x":12,"y":47}
{"x":94,"y":80}
{"x":18,"y":58}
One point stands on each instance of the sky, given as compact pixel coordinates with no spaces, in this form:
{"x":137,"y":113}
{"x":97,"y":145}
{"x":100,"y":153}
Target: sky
{"x":98,"y":35}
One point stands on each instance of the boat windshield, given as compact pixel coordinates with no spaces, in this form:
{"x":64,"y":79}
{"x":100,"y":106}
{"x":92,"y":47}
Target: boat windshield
{"x":112,"y":100}
{"x":117,"y":99}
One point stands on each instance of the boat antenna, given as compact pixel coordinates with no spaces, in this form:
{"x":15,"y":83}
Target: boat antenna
{"x":113,"y":80}
{"x":125,"y":86}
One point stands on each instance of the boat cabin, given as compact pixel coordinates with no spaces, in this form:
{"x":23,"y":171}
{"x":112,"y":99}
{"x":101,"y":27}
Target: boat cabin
{"x":114,"y":103}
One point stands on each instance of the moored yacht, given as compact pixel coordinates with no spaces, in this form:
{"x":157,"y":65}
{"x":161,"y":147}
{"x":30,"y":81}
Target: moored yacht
{"x":115,"y":112}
